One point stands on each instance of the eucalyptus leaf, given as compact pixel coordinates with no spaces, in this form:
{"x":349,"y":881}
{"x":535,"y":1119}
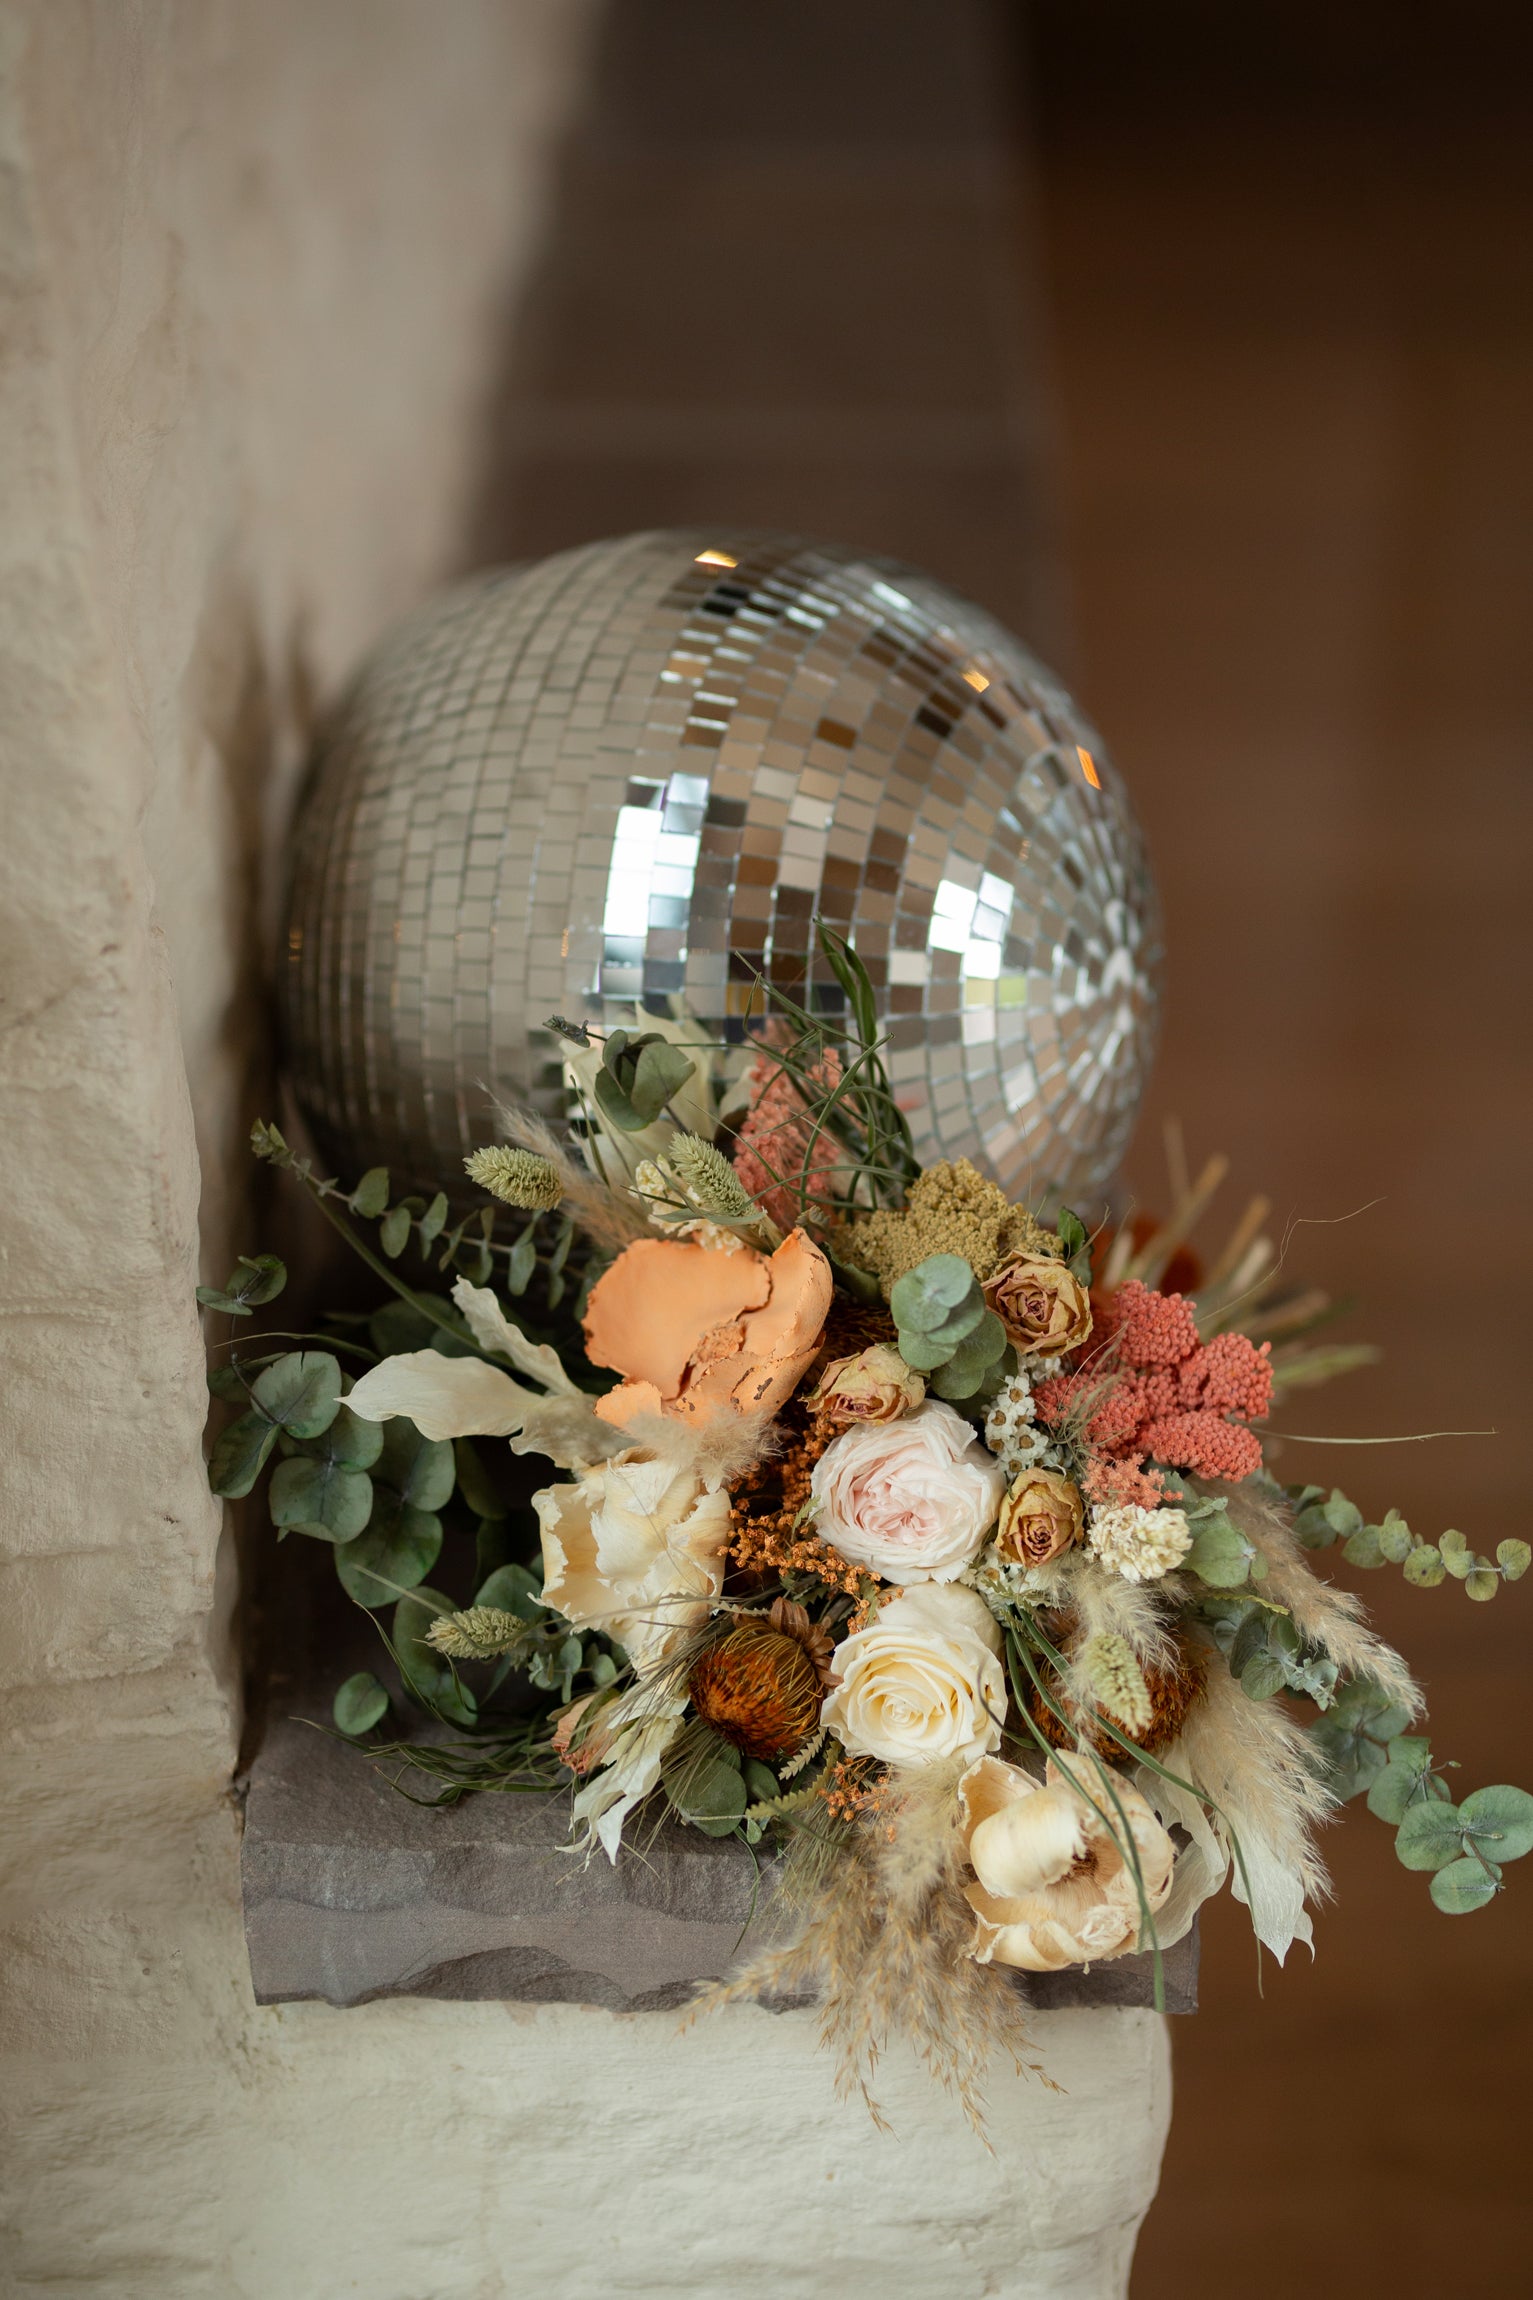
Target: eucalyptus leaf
{"x":1403,"y":1782}
{"x":707,"y":1790}
{"x":394,"y":1231}
{"x":1456,"y":1554}
{"x":1220,"y":1554}
{"x":522,"y":1261}
{"x":1314,"y":1528}
{"x":1514,"y":1558}
{"x":1430,"y":1836}
{"x":1343,"y":1516}
{"x":432,"y":1220}
{"x":359,"y":1704}
{"x":1364,"y":1547}
{"x":301,"y":1392}
{"x":1424,"y":1568}
{"x":1395,"y":1542}
{"x":395,"y":1553}
{"x":474,"y":1481}
{"x":240,"y":1455}
{"x":761,"y":1783}
{"x":421,"y":1471}
{"x":1464,"y":1886}
{"x":1355,"y":1734}
{"x":513,"y":1589}
{"x":1482,"y":1583}
{"x":1262,"y":1676}
{"x":1501,"y":1821}
{"x":399,"y":1327}
{"x":255,"y":1280}
{"x":326,"y":1499}
{"x":371,"y":1194}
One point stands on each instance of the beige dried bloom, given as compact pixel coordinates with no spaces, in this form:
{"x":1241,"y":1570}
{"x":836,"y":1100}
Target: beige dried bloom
{"x":1141,"y":1544}
{"x":517,"y":1177}
{"x":477,"y":1634}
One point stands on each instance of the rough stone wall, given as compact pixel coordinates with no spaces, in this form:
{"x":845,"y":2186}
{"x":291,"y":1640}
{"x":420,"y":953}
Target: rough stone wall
{"x":256,"y":261}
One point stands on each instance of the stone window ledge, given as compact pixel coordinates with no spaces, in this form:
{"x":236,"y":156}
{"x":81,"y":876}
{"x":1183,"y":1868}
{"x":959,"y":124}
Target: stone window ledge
{"x":352,"y":1893}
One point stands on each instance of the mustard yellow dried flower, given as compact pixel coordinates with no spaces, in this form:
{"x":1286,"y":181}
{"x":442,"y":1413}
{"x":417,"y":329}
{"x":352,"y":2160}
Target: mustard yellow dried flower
{"x":949,"y":1209}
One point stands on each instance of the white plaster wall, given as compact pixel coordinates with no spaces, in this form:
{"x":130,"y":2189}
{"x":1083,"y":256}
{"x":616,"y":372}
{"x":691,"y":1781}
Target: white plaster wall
{"x":256,"y":258}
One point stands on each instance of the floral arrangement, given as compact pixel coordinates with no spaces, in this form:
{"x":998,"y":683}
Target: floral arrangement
{"x":926,"y":1536}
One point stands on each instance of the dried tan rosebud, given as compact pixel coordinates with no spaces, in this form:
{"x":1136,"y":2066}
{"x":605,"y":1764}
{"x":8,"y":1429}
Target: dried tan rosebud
{"x":1044,"y":1309}
{"x":1041,"y":1517}
{"x":874,"y":1386}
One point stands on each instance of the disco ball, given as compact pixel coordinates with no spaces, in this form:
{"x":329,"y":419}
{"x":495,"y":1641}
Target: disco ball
{"x":637,"y":773}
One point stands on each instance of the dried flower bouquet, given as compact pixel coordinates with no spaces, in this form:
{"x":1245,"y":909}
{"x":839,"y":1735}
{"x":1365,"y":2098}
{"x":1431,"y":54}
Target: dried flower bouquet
{"x":930,"y":1537}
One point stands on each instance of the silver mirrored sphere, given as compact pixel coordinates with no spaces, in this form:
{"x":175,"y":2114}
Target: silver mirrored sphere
{"x":637,"y":773}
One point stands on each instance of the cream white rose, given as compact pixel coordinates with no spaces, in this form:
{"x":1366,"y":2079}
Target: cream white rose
{"x":636,"y":1549}
{"x":913,"y":1499}
{"x":922,"y":1682}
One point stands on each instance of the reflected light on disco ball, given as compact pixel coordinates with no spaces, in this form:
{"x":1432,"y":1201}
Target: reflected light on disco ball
{"x":635,"y":774}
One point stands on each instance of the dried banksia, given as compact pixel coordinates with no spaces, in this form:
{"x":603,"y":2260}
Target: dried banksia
{"x":476,"y":1635}
{"x":759,"y":1688}
{"x":517,"y":1177}
{"x":1169,"y":1688}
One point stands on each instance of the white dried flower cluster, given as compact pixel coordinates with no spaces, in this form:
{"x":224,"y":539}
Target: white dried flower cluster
{"x":1006,"y":1581}
{"x":1141,"y":1544}
{"x":1010,"y":1430}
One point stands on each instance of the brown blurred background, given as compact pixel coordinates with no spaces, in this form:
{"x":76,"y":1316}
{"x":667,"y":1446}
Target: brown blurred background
{"x":1197,"y":342}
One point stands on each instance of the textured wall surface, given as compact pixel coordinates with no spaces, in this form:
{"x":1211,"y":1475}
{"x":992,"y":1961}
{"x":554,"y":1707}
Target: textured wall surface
{"x":255,"y":263}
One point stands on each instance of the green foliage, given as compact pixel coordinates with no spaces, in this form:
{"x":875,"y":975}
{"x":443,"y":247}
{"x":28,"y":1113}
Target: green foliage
{"x":1320,"y":1519}
{"x":638,"y":1075}
{"x":1355,"y":1736}
{"x":704,"y":1783}
{"x":1076,"y":1241}
{"x":945,"y":1328}
{"x":322,"y":1488}
{"x":359,"y":1704}
{"x":255,"y":1280}
{"x":298,"y":1395}
{"x":395,"y":1551}
{"x":1408,"y":1779}
{"x":1220,"y":1555}
{"x":1267,"y":1655}
{"x":1465,"y":1885}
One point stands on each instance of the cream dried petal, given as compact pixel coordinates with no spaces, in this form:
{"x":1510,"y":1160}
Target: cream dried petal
{"x":444,"y":1397}
{"x":1030,"y":1843}
{"x":493,"y":1330}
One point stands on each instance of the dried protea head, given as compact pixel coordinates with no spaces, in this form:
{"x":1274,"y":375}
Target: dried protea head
{"x":759,"y":1687}
{"x":1171,"y":1688}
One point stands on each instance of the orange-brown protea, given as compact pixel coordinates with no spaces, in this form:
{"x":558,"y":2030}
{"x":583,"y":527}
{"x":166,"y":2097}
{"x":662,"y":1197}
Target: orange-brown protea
{"x":1172,"y":1687}
{"x":760,"y":1686}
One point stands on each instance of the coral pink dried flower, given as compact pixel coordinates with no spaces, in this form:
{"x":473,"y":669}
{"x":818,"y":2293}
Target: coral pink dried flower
{"x":776,"y":1136}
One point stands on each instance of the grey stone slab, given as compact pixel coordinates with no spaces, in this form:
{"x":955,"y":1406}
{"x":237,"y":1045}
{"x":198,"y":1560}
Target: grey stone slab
{"x":352,"y":1892}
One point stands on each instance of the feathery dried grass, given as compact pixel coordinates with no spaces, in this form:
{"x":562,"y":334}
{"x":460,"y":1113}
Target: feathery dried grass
{"x":608,"y":1219}
{"x":1105,"y":1605}
{"x":718,"y":1450}
{"x":1264,"y":1774}
{"x":886,"y":1945}
{"x":1324,"y":1615}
